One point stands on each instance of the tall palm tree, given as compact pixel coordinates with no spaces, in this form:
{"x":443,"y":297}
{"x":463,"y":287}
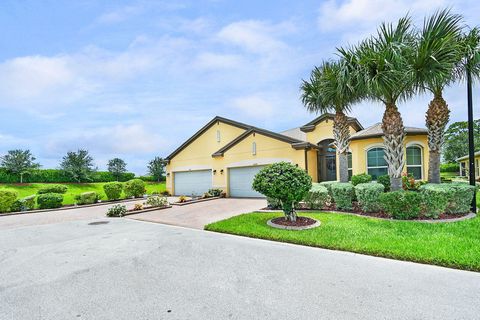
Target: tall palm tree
{"x":330,"y":89}
{"x":384,"y":73}
{"x":437,"y":54}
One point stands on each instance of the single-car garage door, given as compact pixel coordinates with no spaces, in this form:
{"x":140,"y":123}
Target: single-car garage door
{"x":192,"y":182}
{"x":241,"y":180}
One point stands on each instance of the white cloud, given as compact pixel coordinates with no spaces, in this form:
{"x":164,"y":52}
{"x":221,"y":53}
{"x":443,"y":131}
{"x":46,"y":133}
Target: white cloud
{"x":209,"y":60}
{"x":254,"y":106}
{"x":119,"y":139}
{"x":255,"y":36}
{"x":120,"y":14}
{"x":357,"y":19}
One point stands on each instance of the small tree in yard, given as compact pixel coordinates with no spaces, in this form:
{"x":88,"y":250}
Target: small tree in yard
{"x":285,"y":182}
{"x":156,"y":168}
{"x":79,"y":165}
{"x":117,"y":167}
{"x":19,"y":162}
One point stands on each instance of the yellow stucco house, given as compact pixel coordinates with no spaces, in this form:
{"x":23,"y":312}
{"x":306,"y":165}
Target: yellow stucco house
{"x":463,"y":161}
{"x":227,"y":154}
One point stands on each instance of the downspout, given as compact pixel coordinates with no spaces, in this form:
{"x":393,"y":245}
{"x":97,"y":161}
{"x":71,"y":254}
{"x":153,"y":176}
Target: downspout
{"x":306,"y":160}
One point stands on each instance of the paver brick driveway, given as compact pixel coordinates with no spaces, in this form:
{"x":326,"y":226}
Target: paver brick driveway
{"x":197,"y":215}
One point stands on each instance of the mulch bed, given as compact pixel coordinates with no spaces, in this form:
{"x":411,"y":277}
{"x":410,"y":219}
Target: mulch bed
{"x":380,"y":214}
{"x":301,"y":222}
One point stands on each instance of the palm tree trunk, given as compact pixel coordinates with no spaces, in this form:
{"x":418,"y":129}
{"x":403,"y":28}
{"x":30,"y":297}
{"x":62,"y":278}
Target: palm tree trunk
{"x":341,"y":136}
{"x":394,"y":136}
{"x":437,"y":118}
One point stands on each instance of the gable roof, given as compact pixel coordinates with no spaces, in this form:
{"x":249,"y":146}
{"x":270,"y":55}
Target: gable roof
{"x":205,"y":128}
{"x":376,"y":131}
{"x":295,"y":143}
{"x":311,"y":125}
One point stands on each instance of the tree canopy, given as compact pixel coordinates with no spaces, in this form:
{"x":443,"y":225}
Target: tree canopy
{"x":79,"y":165}
{"x":18,"y":162}
{"x":456,"y":137}
{"x":117,"y":167}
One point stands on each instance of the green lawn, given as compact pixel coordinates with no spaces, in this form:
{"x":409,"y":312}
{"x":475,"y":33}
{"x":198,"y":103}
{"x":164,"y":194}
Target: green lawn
{"x":73,"y":189}
{"x":455,"y":244}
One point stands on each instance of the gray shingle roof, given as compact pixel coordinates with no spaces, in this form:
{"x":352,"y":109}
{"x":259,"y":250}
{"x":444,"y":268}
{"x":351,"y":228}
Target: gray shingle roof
{"x":376,"y":131}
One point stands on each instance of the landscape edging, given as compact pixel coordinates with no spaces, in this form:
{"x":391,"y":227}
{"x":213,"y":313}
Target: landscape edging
{"x":469,"y":216}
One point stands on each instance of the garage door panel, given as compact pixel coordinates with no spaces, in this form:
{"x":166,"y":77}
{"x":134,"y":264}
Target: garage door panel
{"x":192,"y":182}
{"x":240,"y":182}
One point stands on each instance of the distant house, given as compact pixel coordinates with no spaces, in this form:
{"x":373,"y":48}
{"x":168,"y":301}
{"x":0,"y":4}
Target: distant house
{"x":463,"y":161}
{"x":227,"y":154}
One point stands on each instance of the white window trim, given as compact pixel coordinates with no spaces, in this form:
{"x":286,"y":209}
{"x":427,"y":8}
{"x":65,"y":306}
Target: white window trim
{"x":410,"y":145}
{"x":366,"y":158}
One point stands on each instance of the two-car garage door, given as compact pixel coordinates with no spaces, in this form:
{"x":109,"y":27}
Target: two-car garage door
{"x":200,"y":181}
{"x":192,"y":182}
{"x":241,"y":180}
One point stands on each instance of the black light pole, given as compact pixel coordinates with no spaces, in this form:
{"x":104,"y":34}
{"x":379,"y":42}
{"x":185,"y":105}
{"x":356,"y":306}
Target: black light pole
{"x":471,"y":147}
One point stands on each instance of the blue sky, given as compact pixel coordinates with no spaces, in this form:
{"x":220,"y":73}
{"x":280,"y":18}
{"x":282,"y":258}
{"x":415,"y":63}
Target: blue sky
{"x":133,"y":79}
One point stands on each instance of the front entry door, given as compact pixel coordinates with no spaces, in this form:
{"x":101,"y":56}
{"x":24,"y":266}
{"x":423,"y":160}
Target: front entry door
{"x":331,"y":167}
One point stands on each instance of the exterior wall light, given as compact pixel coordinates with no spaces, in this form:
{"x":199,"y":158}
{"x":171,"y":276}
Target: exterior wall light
{"x":168,"y":174}
{"x":214,"y":171}
{"x":221,"y":171}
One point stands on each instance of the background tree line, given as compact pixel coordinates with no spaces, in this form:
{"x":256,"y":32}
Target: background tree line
{"x":76,"y":166}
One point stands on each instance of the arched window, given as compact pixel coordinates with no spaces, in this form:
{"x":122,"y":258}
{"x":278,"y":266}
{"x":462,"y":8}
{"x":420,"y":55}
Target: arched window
{"x":376,"y":164}
{"x":415,"y":162}
{"x":254,"y":148}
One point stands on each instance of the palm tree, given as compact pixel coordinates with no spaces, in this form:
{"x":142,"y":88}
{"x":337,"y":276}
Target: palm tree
{"x":330,"y":89}
{"x":437,"y":54}
{"x":384,"y":73}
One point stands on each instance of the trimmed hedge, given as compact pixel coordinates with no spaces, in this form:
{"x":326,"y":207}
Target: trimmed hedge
{"x":113,"y":190}
{"x":402,"y":204}
{"x":7,"y":199}
{"x":460,"y":196}
{"x":343,"y":195}
{"x":49,"y":200}
{"x":317,"y":197}
{"x":435,"y":199}
{"x":368,"y":195}
{"x":450,"y":167}
{"x":90,"y":197}
{"x":361,"y":178}
{"x":25,"y":204}
{"x":328,"y":185}
{"x":385,"y":180}
{"x":134,"y":188}
{"x":59,"y":176}
{"x":53,"y":188}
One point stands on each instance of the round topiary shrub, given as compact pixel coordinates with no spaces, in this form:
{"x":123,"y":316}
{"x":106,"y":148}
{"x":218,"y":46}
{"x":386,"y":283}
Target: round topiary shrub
{"x":53,"y":188}
{"x":89,"y":197}
{"x":361,"y":178}
{"x":113,"y":190}
{"x":49,"y":200}
{"x":285,"y":182}
{"x":7,"y":199}
{"x":134,"y":188}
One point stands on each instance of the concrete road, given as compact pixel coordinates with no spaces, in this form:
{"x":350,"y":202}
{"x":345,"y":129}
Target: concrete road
{"x":197,"y":215}
{"x":126,"y":269}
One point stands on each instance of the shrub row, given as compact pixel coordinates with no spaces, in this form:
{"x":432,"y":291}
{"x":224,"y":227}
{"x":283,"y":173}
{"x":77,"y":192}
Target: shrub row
{"x":450,"y":167}
{"x":59,"y":176}
{"x":431,"y":200}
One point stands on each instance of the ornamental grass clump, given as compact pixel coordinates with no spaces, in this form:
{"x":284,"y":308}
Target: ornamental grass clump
{"x":368,"y":196}
{"x":284,"y":182}
{"x":343,"y":195}
{"x":316,"y":197}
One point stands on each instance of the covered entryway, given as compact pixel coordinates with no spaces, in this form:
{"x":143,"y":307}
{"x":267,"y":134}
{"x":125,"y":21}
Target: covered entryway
{"x":191,"y":183}
{"x":327,"y":161}
{"x":240,"y":182}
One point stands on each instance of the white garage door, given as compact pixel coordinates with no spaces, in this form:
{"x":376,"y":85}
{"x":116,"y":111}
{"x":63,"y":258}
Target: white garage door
{"x":241,"y":180}
{"x":192,"y":182}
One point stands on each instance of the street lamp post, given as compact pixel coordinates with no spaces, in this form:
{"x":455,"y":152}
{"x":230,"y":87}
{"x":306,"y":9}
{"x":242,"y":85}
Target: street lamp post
{"x":471,"y":147}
